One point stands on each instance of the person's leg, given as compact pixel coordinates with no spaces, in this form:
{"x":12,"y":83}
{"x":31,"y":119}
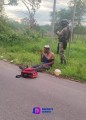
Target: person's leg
{"x":38,"y":68}
{"x":22,"y":67}
{"x":35,"y":66}
{"x":41,"y":68}
{"x":58,"y":48}
{"x":61,"y":53}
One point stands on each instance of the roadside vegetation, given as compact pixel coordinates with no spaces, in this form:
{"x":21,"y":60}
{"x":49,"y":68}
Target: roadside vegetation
{"x":22,"y":46}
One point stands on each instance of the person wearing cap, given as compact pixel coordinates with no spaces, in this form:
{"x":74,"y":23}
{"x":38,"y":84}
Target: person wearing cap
{"x":63,"y":37}
{"x":47,"y":59}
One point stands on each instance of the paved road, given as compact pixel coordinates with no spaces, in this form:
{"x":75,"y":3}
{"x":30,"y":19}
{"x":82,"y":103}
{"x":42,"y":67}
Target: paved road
{"x":18,"y":96}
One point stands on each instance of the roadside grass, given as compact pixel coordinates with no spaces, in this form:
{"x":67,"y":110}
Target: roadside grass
{"x":27,"y":53}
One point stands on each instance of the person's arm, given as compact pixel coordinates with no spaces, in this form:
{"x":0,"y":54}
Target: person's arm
{"x":41,"y":56}
{"x":50,"y":63}
{"x":60,"y":33}
{"x":52,"y":58}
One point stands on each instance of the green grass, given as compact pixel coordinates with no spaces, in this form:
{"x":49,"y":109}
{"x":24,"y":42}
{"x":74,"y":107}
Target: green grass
{"x":28,"y":53}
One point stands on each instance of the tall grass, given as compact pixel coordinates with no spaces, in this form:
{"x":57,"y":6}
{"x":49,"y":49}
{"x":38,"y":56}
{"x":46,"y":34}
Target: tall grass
{"x":26,"y":51}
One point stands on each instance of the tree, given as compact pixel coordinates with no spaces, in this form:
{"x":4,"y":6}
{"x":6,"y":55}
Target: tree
{"x":1,"y":11}
{"x":80,"y":10}
{"x":65,"y":14}
{"x":68,"y":13}
{"x":80,"y":30}
{"x":13,"y":2}
{"x":31,"y":5}
{"x":59,"y":15}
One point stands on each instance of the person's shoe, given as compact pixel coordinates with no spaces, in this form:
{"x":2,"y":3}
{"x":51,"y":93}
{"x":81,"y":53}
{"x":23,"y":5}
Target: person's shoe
{"x":22,"y":67}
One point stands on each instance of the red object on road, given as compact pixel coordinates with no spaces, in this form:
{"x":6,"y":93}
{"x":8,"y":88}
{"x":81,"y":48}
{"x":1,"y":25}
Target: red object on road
{"x":29,"y":73}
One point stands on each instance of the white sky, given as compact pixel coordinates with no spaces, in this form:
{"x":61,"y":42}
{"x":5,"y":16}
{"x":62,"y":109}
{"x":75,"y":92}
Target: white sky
{"x":42,"y":15}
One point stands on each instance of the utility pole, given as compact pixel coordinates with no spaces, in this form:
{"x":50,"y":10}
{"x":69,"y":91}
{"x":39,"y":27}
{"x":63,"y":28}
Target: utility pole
{"x":53,"y":22}
{"x":54,"y":10}
{"x":1,"y":2}
{"x":72,"y":27}
{"x":74,"y":11}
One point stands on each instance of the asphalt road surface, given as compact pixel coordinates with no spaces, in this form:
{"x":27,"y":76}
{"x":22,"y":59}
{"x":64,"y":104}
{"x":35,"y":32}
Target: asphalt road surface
{"x":18,"y":96}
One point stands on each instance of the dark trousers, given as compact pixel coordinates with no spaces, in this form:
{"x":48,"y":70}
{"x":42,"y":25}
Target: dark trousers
{"x":40,"y":68}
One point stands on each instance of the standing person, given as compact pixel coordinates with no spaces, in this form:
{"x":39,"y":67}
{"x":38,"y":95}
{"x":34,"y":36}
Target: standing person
{"x":63,"y":37}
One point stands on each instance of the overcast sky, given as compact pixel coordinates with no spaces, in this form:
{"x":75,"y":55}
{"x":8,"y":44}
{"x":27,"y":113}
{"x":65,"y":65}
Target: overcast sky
{"x":43,"y":13}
